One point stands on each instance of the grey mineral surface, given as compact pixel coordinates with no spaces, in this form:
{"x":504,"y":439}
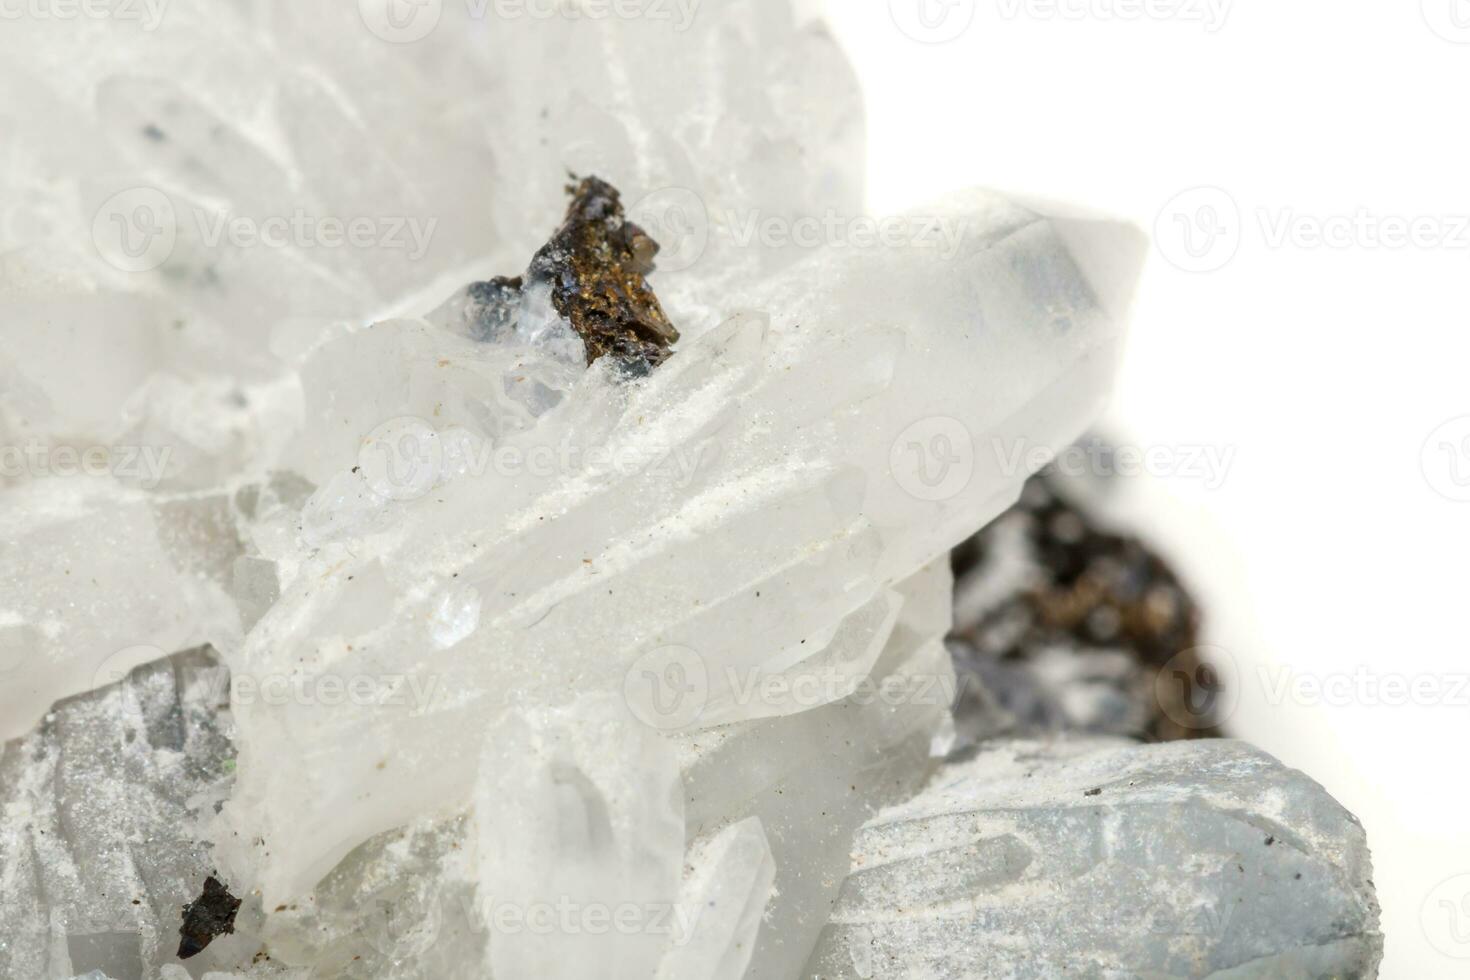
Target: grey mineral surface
{"x":1094,"y":857}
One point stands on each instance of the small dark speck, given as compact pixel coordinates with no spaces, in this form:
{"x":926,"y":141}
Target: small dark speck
{"x":1298,"y":876}
{"x":1270,"y":840}
{"x":1093,"y":792}
{"x":154,"y":133}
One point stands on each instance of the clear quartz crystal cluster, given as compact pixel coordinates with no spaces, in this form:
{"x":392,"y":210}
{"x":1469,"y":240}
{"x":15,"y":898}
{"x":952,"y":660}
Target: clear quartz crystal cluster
{"x":397,"y":633}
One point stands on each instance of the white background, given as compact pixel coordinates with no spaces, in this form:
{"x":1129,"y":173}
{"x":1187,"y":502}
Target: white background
{"x":1332,"y":546}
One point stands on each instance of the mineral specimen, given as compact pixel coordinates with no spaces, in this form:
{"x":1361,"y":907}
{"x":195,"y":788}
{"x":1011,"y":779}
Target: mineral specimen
{"x":504,"y":630}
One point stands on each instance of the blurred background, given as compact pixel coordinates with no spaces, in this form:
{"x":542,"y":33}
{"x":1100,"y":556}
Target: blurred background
{"x":1295,"y":392}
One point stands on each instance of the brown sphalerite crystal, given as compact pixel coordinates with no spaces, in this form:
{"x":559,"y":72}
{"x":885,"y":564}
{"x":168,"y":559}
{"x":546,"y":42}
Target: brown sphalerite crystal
{"x":593,"y":270}
{"x":596,"y":265}
{"x":210,"y":915}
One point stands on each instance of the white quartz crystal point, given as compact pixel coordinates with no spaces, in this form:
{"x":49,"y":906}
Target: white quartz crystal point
{"x":840,"y":761}
{"x":742,"y":509}
{"x":704,"y":114}
{"x":727,"y":883}
{"x":1099,"y":857}
{"x":580,"y":827}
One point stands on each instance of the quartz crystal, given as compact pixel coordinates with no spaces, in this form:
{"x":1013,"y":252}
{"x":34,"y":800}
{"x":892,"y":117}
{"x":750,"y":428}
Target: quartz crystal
{"x":545,"y":587}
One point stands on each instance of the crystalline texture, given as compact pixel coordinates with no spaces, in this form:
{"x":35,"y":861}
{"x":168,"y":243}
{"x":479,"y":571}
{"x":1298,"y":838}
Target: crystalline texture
{"x":533,"y":591}
{"x":102,"y":806}
{"x":1097,"y":857}
{"x":773,"y":486}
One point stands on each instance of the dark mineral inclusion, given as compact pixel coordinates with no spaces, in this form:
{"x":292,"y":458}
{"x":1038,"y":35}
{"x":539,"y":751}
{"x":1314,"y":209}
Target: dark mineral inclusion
{"x":595,"y":265}
{"x":211,"y":914}
{"x":1091,"y":590}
